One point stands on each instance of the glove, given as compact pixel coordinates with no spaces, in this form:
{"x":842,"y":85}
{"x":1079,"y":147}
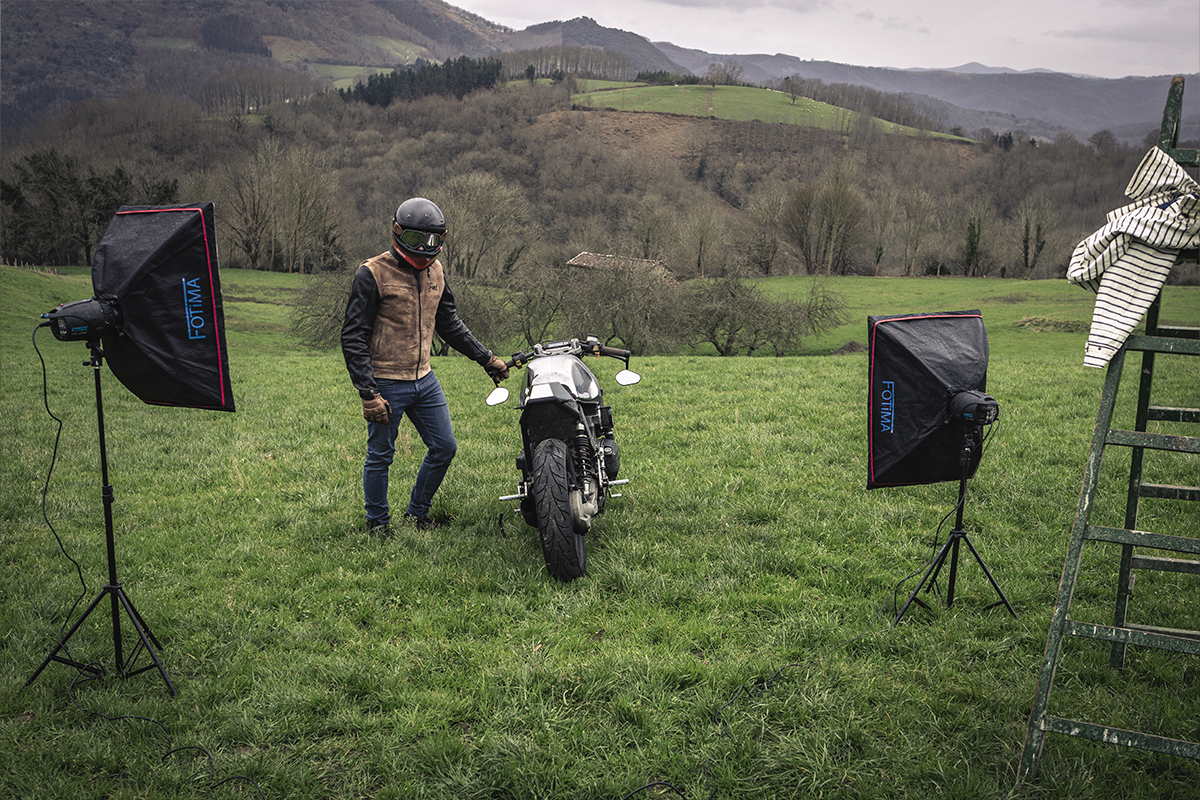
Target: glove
{"x":376,"y":409}
{"x":496,"y":369}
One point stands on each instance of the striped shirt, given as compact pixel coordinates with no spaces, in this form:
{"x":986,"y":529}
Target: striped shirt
{"x":1126,"y":262}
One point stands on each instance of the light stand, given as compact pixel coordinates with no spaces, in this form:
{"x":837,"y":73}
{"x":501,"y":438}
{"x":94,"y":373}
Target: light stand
{"x":971,"y":441}
{"x":113,"y":590}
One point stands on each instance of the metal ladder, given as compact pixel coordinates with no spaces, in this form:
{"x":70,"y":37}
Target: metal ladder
{"x":1157,"y":339}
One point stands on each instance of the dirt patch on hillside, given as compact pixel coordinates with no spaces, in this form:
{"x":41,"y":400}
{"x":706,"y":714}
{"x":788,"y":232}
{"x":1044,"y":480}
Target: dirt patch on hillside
{"x":1043,"y":325}
{"x":679,"y":137}
{"x":849,"y":347}
{"x":659,"y":135}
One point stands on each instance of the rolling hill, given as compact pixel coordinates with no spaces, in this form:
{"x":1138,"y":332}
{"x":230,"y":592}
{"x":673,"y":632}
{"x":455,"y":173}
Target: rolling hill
{"x":102,"y":48}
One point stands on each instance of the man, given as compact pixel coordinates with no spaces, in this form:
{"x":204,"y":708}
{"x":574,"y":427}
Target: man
{"x":398,"y":301}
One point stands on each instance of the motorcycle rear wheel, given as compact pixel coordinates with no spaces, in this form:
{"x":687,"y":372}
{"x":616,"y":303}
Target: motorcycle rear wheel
{"x":564,"y":549}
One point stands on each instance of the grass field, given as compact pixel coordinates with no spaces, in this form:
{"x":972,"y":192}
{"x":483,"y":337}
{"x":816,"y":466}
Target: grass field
{"x":731,"y":639}
{"x":739,"y":103}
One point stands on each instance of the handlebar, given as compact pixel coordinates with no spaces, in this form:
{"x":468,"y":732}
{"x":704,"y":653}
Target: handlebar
{"x":589,"y":346}
{"x":613,"y":352}
{"x":577,"y":347}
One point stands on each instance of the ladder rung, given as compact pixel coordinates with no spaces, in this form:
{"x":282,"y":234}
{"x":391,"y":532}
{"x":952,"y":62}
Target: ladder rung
{"x":1185,"y":156}
{"x":1178,"y":332}
{"x":1154,"y":441}
{"x":1159,"y":564}
{"x":1169,"y":414}
{"x":1155,"y":541}
{"x":1108,"y":735}
{"x":1165,"y":492}
{"x":1179,"y":345}
{"x":1142,"y":637}
{"x":1168,"y":631}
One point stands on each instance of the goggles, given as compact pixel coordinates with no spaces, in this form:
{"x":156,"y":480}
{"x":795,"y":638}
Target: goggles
{"x":426,"y":241}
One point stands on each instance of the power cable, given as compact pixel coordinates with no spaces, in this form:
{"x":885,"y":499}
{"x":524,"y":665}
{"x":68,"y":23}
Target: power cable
{"x":95,"y":671}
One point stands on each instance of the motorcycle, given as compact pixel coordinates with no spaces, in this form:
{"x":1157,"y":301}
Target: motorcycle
{"x":569,"y":459}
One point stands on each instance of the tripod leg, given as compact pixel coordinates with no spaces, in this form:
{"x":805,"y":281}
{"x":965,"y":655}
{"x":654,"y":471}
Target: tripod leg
{"x":988,"y":572}
{"x":934,"y":567}
{"x":54,"y":656}
{"x":145,"y":635}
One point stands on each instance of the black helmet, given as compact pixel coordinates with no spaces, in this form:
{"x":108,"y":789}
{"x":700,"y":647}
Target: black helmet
{"x":419,"y":228}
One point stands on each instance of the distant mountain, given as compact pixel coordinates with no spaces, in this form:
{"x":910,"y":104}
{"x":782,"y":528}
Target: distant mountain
{"x":1039,"y":102}
{"x":586,"y":32}
{"x":102,"y":48}
{"x":975,"y":68}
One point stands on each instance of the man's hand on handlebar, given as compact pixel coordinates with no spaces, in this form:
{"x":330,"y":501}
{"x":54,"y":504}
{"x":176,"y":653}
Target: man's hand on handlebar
{"x":496,"y":368}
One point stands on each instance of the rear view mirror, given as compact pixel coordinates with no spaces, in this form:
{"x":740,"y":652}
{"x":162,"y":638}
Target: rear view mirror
{"x":628,"y":377}
{"x":498,"y":396}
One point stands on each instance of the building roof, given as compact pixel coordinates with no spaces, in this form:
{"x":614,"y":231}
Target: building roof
{"x":601,"y":261}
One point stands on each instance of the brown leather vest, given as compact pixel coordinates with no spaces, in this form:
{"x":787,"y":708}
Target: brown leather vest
{"x":408,"y":304}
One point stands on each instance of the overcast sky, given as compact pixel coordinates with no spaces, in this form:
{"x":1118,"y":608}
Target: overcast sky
{"x":1105,"y":38}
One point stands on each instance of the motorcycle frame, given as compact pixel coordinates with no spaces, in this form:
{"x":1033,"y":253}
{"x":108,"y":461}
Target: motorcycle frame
{"x":569,"y":415}
{"x":576,"y":413}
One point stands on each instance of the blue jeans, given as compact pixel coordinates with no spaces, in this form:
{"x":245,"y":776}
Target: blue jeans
{"x":423,"y":402}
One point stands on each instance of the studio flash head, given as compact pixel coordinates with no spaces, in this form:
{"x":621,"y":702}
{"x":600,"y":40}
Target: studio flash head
{"x":973,"y":407}
{"x":83,"y":320}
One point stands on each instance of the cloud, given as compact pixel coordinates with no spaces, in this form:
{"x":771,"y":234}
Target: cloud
{"x":789,"y":6}
{"x":1108,"y":38}
{"x":1127,"y":33}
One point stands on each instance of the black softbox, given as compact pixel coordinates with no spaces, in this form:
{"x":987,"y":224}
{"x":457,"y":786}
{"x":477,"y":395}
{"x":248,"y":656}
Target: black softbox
{"x":158,"y":266}
{"x":918,"y":364}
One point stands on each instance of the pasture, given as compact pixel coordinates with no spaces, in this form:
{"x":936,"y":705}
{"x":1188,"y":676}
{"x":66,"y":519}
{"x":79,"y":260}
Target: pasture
{"x":740,"y":103}
{"x":732,"y":638}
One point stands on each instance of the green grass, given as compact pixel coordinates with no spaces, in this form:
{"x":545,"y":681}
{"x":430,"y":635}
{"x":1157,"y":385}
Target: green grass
{"x":343,"y":75}
{"x":709,"y":646}
{"x":740,"y":103}
{"x":400,"y":48}
{"x":1005,"y":305}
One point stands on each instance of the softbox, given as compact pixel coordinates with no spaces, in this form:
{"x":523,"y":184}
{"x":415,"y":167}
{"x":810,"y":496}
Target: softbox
{"x":918,"y":363}
{"x":158,"y":266}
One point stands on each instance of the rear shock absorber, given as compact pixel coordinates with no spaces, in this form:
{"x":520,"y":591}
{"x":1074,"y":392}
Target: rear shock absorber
{"x":585,"y":466}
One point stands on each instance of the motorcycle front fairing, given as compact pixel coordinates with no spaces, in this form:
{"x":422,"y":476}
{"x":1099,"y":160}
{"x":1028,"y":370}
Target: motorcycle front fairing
{"x":565,"y":370}
{"x":558,"y":396}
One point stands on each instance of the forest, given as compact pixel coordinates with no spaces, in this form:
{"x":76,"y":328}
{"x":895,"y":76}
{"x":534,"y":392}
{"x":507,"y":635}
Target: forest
{"x":528,"y":181}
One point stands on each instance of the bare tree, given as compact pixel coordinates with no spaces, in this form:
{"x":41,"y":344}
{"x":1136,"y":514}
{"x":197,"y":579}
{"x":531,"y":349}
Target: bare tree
{"x":881,"y":210}
{"x":792,"y":86}
{"x":729,"y":72}
{"x":759,"y":234}
{"x":797,"y":221}
{"x":539,"y":297}
{"x":840,"y":212}
{"x":647,"y":230}
{"x":320,"y":307}
{"x":735,"y":317}
{"x":632,"y":302}
{"x":701,"y":241}
{"x":304,"y":220}
{"x":488,"y":224}
{"x":249,"y":189}
{"x":978,"y":237}
{"x":824,"y":219}
{"x":1104,"y":141}
{"x":1034,"y":222}
{"x":919,"y":216}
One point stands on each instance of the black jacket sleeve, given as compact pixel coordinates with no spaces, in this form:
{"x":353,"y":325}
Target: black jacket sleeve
{"x":357,"y":328}
{"x":454,"y":331}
